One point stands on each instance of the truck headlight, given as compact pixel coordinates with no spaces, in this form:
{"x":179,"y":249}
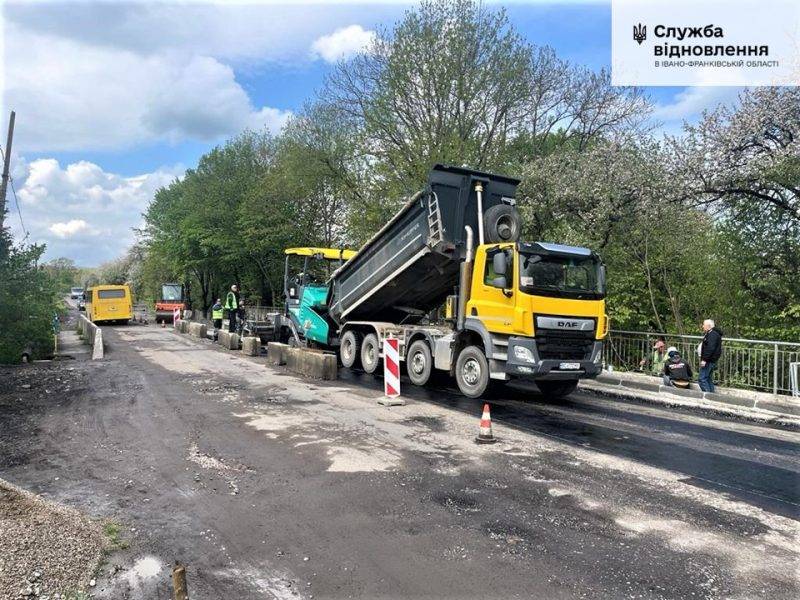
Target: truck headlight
{"x":524,"y":354}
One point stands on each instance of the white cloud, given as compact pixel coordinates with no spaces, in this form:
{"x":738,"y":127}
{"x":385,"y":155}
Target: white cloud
{"x":342,"y":43}
{"x":68,"y":229}
{"x":81,"y":211}
{"x":71,"y":96}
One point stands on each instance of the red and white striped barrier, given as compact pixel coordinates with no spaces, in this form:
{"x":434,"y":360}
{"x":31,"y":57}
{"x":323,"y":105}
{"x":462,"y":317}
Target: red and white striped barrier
{"x":391,"y":367}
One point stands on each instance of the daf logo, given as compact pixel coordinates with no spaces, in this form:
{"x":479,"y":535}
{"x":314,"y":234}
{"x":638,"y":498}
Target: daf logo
{"x":568,"y":324}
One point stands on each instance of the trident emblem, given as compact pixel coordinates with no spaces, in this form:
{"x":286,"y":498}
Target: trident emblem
{"x":639,"y":33}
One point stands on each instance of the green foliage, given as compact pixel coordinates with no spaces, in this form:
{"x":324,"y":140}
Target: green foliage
{"x":28,"y":301}
{"x":704,"y":225}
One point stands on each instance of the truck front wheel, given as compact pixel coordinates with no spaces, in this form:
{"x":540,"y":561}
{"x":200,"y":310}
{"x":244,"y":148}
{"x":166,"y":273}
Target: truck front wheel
{"x":556,"y":389}
{"x":419,"y":362}
{"x":349,"y":348}
{"x":370,"y":353}
{"x":472,"y":372}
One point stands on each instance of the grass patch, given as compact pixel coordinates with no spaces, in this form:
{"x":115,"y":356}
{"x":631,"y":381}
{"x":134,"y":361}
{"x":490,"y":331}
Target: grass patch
{"x":112,"y":532}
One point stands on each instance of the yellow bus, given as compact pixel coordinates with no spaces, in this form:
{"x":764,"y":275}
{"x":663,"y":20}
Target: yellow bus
{"x":109,"y":303}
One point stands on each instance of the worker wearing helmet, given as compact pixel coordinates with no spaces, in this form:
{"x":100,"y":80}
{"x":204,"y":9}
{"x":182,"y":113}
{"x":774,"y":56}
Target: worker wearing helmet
{"x":232,"y":306}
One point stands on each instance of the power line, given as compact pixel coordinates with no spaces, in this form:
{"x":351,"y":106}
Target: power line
{"x":16,"y":200}
{"x":19,"y":210}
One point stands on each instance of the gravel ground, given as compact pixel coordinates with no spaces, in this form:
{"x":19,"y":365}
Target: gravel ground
{"x":47,"y":550}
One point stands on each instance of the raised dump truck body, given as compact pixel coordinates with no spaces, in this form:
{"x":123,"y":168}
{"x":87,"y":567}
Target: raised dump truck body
{"x":513,"y":310}
{"x":412,"y":264}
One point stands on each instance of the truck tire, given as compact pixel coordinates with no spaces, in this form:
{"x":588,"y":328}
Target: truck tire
{"x":472,"y":372}
{"x":556,"y":389}
{"x":502,"y":223}
{"x":349,"y":348}
{"x":370,"y":353}
{"x":419,"y":362}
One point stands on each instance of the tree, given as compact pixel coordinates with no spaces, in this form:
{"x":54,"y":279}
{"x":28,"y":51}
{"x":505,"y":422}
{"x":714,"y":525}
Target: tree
{"x":63,"y":272}
{"x":454,"y":82}
{"x":28,"y":302}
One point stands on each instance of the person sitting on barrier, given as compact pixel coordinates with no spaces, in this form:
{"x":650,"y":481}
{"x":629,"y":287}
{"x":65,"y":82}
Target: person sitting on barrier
{"x":216,"y":317}
{"x":677,"y":372}
{"x":654,"y":362}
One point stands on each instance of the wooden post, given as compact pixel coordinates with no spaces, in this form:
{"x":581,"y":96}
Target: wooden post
{"x":180,"y":591}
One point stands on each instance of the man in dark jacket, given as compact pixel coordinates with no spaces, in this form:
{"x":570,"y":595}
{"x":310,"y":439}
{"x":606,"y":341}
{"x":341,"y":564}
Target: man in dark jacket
{"x":677,"y":372}
{"x":710,"y":351}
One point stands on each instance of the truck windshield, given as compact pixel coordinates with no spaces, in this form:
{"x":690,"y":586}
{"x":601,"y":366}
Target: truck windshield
{"x":561,"y":276}
{"x":171,"y":293}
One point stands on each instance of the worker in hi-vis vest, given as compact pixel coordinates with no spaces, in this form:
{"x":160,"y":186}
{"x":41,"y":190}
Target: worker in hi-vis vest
{"x":232,"y":306}
{"x":217,"y":313}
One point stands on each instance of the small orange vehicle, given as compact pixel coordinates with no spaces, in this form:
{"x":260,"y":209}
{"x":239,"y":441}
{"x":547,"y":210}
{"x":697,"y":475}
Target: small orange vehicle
{"x":171,"y":298}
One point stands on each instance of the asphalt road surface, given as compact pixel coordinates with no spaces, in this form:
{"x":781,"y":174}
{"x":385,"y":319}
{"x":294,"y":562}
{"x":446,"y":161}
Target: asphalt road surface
{"x":270,"y":486}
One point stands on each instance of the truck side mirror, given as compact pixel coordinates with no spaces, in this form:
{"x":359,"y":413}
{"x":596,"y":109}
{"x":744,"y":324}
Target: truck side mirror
{"x":500,"y":264}
{"x":500,"y":282}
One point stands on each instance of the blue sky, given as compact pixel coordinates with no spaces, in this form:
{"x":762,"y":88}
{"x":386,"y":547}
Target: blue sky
{"x":114,"y":100}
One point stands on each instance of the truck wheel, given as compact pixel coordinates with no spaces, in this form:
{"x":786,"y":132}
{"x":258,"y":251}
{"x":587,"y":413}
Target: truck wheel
{"x":556,"y":389}
{"x":419,"y":362}
{"x":502,"y":223}
{"x":349,"y":348}
{"x":472,"y":372}
{"x":370,"y":353}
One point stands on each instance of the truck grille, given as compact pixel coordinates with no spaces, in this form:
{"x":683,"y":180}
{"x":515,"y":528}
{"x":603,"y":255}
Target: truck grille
{"x":564,"y":345}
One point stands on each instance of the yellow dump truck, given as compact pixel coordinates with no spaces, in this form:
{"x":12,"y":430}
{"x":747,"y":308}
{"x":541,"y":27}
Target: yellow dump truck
{"x":512,"y":309}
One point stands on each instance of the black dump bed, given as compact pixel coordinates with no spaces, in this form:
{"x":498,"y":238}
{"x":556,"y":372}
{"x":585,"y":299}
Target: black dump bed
{"x":411,"y":265}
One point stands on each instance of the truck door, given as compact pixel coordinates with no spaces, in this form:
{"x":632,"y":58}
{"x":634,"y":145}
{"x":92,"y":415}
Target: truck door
{"x":492,"y":298}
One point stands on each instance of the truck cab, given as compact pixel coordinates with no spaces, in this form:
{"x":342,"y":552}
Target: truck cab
{"x":539,"y":309}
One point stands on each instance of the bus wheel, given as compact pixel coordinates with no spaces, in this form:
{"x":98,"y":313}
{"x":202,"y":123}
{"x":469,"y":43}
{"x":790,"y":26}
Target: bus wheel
{"x":556,"y":389}
{"x":472,"y":372}
{"x":349,"y":348}
{"x":419,"y":363}
{"x":370,"y":353}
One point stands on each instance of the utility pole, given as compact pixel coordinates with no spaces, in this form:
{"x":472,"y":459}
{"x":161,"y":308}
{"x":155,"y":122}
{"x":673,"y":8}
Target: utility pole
{"x":6,"y":164}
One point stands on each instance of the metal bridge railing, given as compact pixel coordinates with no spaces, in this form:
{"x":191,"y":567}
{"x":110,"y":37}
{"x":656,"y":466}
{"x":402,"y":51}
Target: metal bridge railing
{"x":763,"y":365}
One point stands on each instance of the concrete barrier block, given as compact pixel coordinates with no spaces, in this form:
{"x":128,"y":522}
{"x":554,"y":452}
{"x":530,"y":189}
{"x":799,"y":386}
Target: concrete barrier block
{"x":198,"y":330}
{"x":785,"y":408}
{"x":734,"y":400}
{"x":228,"y":340}
{"x":689,"y":393}
{"x":97,"y":347}
{"x":642,"y":385}
{"x":183,"y":326}
{"x":316,"y":365}
{"x":276,"y":353}
{"x":251,"y":346}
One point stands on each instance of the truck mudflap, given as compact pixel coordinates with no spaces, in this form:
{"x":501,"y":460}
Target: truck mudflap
{"x":523,"y":361}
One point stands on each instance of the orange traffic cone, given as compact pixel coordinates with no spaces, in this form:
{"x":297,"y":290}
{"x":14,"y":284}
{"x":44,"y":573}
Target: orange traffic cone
{"x":485,"y":436}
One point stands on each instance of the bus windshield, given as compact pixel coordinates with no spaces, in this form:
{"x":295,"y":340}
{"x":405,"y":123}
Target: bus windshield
{"x":577,"y":277}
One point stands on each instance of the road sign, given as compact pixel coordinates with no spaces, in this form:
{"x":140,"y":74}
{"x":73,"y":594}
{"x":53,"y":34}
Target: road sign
{"x":391,"y":367}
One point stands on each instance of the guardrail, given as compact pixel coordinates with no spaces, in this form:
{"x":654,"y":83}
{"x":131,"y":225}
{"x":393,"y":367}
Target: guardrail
{"x":92,"y":335}
{"x":763,"y":365}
